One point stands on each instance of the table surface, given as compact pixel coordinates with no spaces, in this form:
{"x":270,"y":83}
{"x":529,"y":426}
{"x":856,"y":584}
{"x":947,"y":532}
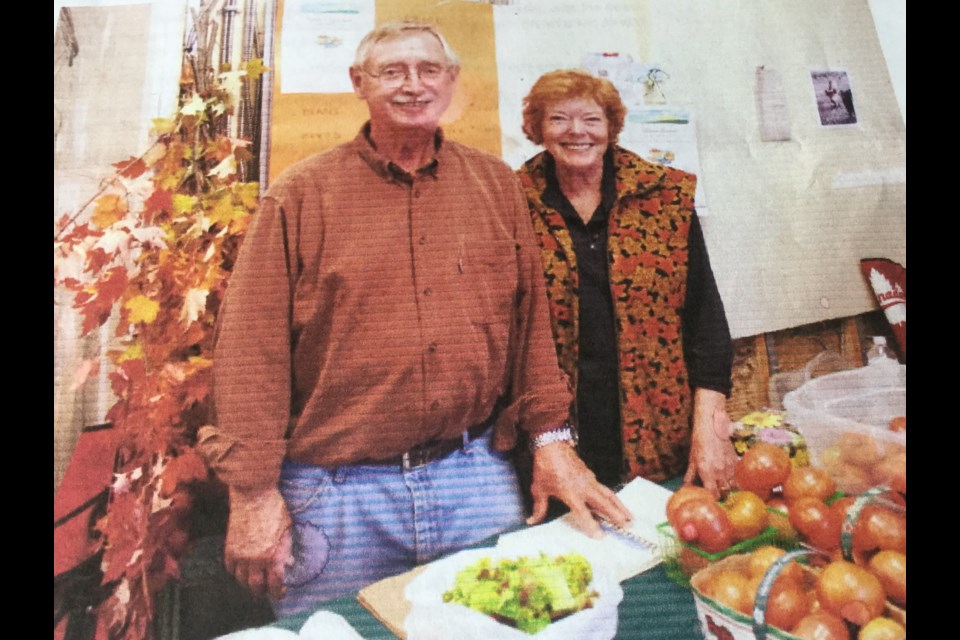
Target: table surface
{"x":653,"y":607}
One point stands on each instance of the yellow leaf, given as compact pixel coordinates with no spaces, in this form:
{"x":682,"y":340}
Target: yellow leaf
{"x":183,"y":203}
{"x":222,"y":212}
{"x":255,"y":68}
{"x":142,"y":309}
{"x":163,"y":125}
{"x":249,"y":193}
{"x":133,"y":352}
{"x":110,"y":208}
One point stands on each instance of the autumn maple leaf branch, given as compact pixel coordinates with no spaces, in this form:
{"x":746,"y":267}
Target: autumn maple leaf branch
{"x":103,"y":188}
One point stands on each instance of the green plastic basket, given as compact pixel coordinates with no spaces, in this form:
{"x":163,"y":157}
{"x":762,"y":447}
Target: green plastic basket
{"x":682,"y":559}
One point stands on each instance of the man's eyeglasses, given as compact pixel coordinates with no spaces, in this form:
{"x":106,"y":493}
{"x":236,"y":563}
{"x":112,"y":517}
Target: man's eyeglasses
{"x":394,"y":75}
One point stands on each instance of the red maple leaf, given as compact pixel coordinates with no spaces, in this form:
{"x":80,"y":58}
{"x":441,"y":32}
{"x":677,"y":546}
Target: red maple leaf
{"x":131,"y":168}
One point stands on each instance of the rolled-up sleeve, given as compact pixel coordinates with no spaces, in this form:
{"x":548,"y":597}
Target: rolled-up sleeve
{"x":252,"y":358}
{"x":541,"y":394}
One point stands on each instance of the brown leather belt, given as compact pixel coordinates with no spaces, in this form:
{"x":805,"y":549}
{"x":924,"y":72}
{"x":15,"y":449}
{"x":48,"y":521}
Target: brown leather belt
{"x":432,"y":450}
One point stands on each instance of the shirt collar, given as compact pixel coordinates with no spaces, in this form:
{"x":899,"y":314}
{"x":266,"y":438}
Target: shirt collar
{"x":553,"y":196}
{"x":386,"y":169}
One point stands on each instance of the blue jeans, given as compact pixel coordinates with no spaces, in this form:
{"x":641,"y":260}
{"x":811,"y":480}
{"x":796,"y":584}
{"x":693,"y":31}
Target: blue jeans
{"x":360,"y":523}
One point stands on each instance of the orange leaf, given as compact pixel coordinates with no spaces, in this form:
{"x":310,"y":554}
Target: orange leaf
{"x":110,"y":208}
{"x":131,"y":167}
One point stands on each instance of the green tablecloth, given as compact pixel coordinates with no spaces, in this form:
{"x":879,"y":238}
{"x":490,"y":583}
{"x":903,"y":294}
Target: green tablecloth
{"x":653,"y":607}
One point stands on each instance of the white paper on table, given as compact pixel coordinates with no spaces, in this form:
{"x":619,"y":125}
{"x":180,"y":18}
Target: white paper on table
{"x":622,"y":557}
{"x":318,"y":43}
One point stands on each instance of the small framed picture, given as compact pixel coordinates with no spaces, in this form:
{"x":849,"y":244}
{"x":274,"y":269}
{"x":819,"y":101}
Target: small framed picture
{"x":834,"y":96}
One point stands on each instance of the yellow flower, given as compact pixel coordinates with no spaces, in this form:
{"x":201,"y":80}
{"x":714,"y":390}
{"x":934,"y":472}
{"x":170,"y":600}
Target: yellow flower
{"x":762,"y":419}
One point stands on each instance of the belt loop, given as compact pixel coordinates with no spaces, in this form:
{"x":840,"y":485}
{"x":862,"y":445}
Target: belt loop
{"x":340,"y":474}
{"x":466,"y":438}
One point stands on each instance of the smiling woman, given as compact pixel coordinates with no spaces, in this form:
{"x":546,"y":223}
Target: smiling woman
{"x":637,"y":320}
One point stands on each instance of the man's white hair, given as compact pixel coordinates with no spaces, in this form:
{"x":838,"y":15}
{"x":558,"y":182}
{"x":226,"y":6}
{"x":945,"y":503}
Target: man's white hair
{"x":391,"y":30}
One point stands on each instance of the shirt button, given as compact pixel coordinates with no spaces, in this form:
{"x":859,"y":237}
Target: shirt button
{"x":416,"y":193}
{"x":434,"y":405}
{"x":432,"y":347}
{"x":423,"y":240}
{"x":427,"y":291}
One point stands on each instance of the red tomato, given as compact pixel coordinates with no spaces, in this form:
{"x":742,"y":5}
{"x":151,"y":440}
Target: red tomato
{"x":890,"y":567}
{"x":880,"y":528}
{"x":851,"y":592}
{"x":808,"y":481}
{"x":899,"y":424}
{"x":812,"y":518}
{"x":821,"y":625}
{"x":787,"y":605}
{"x":703,"y":523}
{"x":684,"y":493}
{"x":762,"y":467}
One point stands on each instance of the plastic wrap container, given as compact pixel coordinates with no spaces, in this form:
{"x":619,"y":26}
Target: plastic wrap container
{"x":682,"y":559}
{"x":431,"y":618}
{"x":844,"y":418}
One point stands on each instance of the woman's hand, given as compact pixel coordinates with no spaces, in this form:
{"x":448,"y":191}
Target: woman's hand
{"x":559,"y":472}
{"x":712,"y":456}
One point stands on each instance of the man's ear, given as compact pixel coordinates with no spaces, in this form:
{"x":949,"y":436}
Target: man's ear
{"x":356,"y":79}
{"x":455,"y":73}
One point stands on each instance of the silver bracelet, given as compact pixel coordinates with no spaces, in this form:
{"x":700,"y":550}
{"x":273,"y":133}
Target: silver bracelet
{"x":566,"y":433}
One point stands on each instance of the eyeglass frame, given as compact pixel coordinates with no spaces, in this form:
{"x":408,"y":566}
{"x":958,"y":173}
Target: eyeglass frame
{"x":407,"y":73}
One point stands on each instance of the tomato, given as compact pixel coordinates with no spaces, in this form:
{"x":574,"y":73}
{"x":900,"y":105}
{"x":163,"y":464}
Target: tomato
{"x":899,"y":424}
{"x":684,"y":493}
{"x":748,"y":514}
{"x":851,"y":592}
{"x":704,"y":523}
{"x":779,"y":519}
{"x":850,"y":478}
{"x":762,"y":467}
{"x":821,"y":625}
{"x":731,"y":588}
{"x":882,"y":629}
{"x":880,"y":528}
{"x":808,"y":481}
{"x":890,"y":567}
{"x":859,"y":449}
{"x":891,"y":471}
{"x":812,"y":518}
{"x":787,"y":605}
{"x":763,"y":557}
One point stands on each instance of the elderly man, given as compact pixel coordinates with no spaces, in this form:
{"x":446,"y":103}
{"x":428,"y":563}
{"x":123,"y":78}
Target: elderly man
{"x":384,"y":335}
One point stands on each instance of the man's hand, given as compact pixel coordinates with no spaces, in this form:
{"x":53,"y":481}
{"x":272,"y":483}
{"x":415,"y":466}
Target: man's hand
{"x":559,"y":472}
{"x":712,"y":456}
{"x":259,"y":540}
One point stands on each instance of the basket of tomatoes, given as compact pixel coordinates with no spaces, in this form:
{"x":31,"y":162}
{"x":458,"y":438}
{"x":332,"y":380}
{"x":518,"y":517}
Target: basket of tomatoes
{"x":768,"y":594}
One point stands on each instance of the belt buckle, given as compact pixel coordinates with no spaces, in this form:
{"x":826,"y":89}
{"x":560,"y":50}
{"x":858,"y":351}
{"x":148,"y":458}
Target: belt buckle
{"x":418,"y":456}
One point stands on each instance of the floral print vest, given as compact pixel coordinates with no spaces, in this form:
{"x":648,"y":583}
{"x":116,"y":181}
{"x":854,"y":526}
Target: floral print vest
{"x":647,"y":249}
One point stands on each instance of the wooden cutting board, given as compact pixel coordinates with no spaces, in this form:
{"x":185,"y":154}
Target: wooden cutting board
{"x":385,"y":600}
